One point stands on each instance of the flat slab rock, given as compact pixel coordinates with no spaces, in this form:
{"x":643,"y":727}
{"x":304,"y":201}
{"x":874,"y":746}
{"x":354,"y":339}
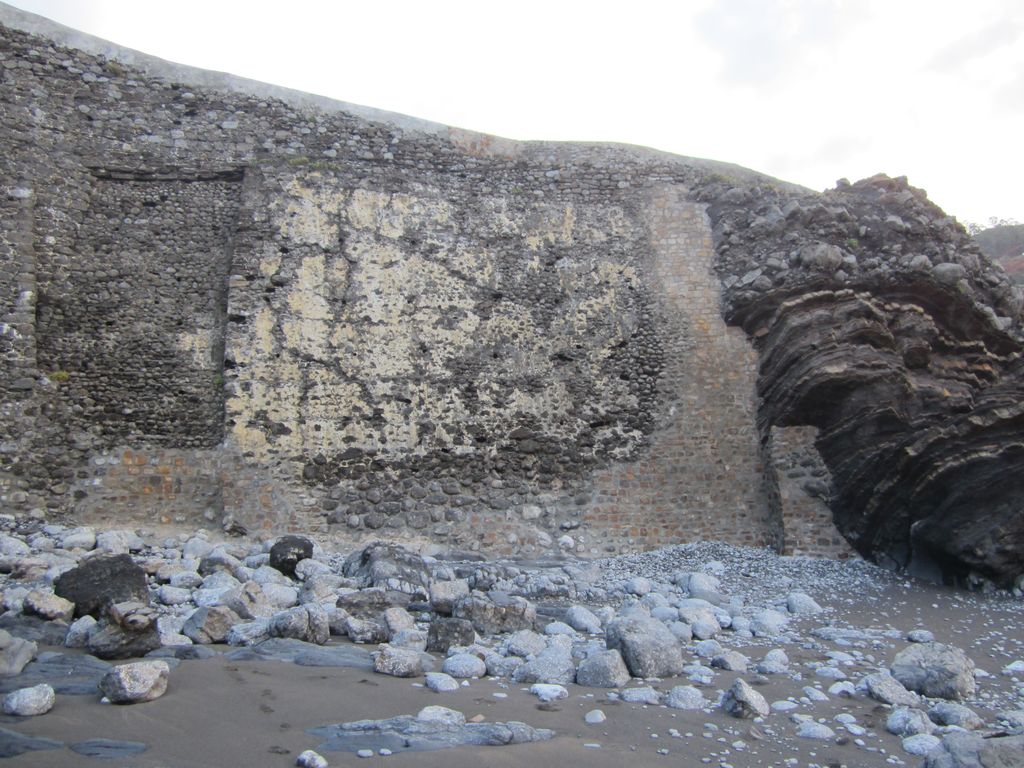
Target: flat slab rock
{"x":13,"y":743}
{"x":407,"y":733}
{"x":108,"y":749}
{"x":306,"y":654}
{"x":68,"y":674}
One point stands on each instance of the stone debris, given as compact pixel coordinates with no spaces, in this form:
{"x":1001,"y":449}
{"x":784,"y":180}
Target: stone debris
{"x":637,"y":645}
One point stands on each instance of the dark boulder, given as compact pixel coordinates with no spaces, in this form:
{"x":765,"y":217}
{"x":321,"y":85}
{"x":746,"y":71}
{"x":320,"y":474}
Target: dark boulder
{"x":288,"y":551}
{"x":445,"y":632}
{"x":101,"y":581}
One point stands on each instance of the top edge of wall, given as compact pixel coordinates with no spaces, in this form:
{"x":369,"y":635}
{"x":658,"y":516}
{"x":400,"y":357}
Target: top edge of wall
{"x":154,"y":66}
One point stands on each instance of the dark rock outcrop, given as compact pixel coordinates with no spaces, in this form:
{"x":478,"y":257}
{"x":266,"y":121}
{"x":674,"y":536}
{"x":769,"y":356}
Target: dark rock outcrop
{"x":101,"y":581}
{"x":878,"y":321}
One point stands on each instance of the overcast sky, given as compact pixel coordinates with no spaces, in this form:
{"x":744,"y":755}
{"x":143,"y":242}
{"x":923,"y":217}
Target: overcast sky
{"x":806,"y":90}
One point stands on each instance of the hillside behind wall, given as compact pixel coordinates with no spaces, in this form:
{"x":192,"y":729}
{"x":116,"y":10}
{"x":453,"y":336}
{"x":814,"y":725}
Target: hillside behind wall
{"x":247,"y":305}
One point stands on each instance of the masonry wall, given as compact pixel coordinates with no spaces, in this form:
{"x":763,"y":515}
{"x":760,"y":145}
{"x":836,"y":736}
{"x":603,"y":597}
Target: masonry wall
{"x":223,"y":308}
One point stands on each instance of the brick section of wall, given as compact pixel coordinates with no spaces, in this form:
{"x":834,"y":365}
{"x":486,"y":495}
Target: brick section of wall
{"x":800,"y":494}
{"x":152,"y":485}
{"x":702,"y":475}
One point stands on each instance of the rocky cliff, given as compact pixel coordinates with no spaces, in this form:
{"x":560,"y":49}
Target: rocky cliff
{"x":228,"y":302}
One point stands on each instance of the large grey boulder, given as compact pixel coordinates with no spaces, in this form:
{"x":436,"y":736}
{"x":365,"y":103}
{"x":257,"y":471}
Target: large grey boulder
{"x":647,"y":646}
{"x":553,"y":665}
{"x":101,"y":581}
{"x":935,"y":670}
{"x":963,"y":749}
{"x":603,"y":669}
{"x":496,"y":612}
{"x":390,"y":566}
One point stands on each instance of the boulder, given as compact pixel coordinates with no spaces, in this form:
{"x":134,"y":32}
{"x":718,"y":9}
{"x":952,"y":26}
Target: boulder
{"x":29,"y":702}
{"x":935,"y":670}
{"x":603,"y":669}
{"x":135,"y":683}
{"x":210,"y":625}
{"x":496,"y":612}
{"x":951,"y":713}
{"x":370,"y":603}
{"x":744,"y":702}
{"x":582,"y":619}
{"x":905,"y":721}
{"x":444,"y":595}
{"x":647,"y":646}
{"x":390,"y":566}
{"x":365,"y":631}
{"x":15,"y":653}
{"x":439,"y":682}
{"x":128,"y":630}
{"x":463,"y":665}
{"x":686,"y":697}
{"x":397,"y":662}
{"x":101,"y":581}
{"x":553,"y":665}
{"x":248,"y":601}
{"x":963,"y":749}
{"x":888,"y":690}
{"x":445,"y":632}
{"x":525,"y":643}
{"x":287,"y":551}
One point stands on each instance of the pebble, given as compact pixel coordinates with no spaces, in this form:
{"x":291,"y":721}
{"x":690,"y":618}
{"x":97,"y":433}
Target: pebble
{"x":311,"y":759}
{"x":594,"y":717}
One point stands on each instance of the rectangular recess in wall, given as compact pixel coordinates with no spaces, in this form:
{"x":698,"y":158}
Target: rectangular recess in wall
{"x":136,"y":318}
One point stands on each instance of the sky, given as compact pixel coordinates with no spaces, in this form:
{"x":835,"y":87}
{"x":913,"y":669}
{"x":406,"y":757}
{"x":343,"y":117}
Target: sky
{"x":809,"y":91}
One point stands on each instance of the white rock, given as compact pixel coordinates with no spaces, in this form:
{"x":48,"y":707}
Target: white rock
{"x":28,"y":702}
{"x":436,"y":714}
{"x":686,"y":697}
{"x":310,"y":759}
{"x":439,"y":682}
{"x":594,"y":717}
{"x":812,"y":730}
{"x":548,"y":692}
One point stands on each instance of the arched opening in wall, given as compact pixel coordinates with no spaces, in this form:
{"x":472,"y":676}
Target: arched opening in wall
{"x":137,"y":323}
